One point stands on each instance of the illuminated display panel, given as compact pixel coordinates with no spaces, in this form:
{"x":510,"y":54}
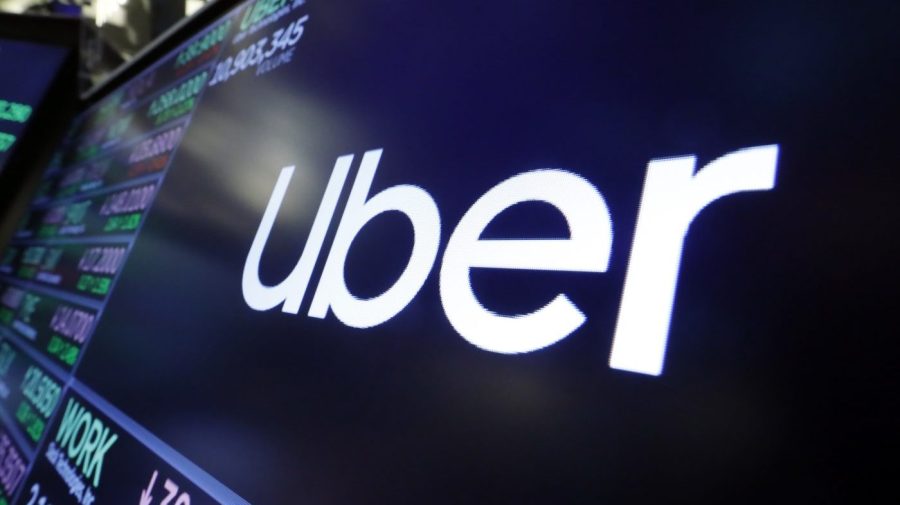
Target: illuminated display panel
{"x":28,"y":69}
{"x":381,"y":252}
{"x":62,"y":443}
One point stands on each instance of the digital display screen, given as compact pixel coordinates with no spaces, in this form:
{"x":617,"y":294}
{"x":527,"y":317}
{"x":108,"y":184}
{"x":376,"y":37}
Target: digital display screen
{"x":27,"y":70}
{"x":391,"y":252}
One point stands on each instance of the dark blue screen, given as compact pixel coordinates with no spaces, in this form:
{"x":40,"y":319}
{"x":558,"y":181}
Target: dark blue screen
{"x":26,"y":71}
{"x":776,"y":363}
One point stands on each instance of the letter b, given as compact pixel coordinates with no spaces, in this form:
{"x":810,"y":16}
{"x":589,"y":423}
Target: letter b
{"x":418,"y":206}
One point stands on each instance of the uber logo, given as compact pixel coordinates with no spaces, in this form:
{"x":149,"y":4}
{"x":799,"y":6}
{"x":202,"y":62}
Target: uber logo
{"x":674,"y":194}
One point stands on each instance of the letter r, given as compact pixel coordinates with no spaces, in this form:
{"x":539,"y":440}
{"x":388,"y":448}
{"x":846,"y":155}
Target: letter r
{"x":673,"y":196}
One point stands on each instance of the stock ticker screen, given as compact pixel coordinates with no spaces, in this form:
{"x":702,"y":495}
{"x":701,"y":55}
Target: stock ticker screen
{"x":26,"y":71}
{"x":466,"y":252}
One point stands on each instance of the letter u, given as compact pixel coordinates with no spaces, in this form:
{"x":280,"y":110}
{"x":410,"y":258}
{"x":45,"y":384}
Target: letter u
{"x":292,"y":289}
